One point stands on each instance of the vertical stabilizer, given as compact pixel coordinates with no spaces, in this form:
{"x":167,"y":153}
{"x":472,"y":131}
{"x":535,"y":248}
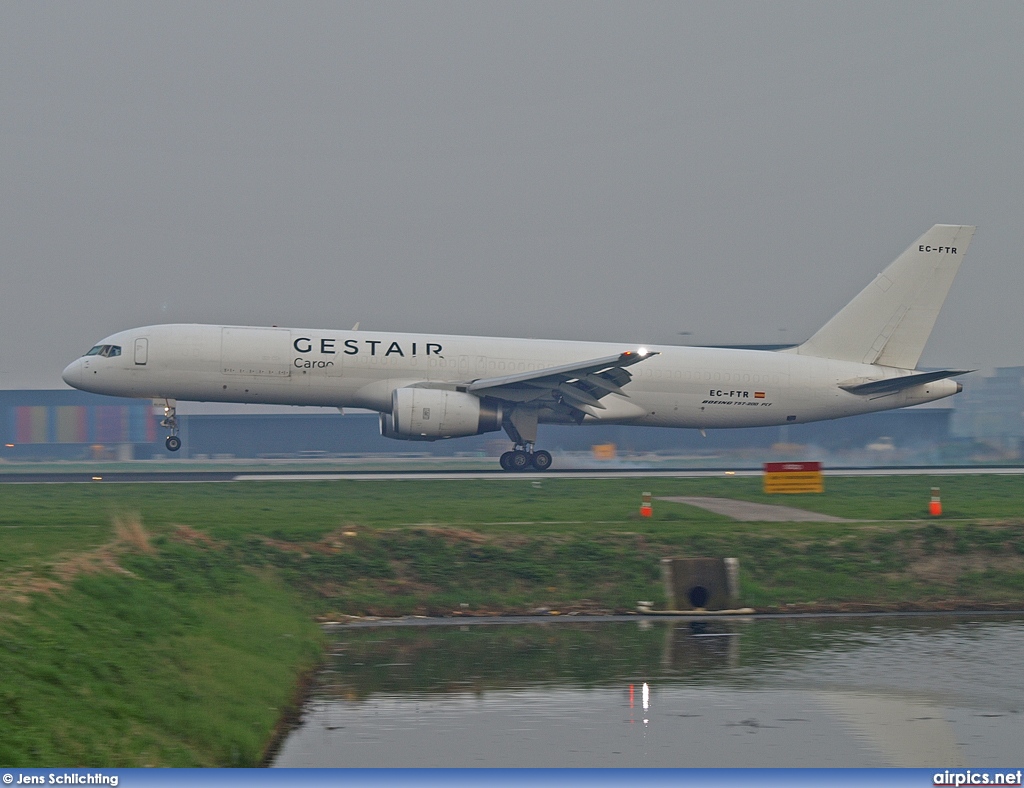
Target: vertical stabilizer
{"x":889,"y":322}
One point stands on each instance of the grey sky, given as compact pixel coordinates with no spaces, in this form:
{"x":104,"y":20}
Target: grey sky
{"x":611,"y":171}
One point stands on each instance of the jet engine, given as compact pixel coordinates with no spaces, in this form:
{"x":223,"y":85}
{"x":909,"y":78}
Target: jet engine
{"x":429,"y":414}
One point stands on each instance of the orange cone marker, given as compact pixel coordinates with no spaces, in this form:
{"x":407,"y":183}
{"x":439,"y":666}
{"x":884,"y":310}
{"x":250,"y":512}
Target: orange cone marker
{"x":935,"y":506}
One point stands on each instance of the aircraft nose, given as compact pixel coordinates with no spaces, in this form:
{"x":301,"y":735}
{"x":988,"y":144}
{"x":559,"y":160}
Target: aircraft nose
{"x":72,"y":374}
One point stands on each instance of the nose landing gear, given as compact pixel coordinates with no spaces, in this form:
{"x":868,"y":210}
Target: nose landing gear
{"x":170,"y":422}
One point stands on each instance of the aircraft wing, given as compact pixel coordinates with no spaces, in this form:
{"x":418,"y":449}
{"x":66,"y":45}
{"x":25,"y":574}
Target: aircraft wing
{"x":580,"y":385}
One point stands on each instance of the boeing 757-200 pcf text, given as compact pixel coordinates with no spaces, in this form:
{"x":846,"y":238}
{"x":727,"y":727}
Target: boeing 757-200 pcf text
{"x":428,"y":387}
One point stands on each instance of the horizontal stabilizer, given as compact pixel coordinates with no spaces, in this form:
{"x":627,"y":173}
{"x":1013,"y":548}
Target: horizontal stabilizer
{"x":891,"y":385}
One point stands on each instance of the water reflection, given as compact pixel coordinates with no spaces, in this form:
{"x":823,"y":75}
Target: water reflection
{"x":935,"y":692}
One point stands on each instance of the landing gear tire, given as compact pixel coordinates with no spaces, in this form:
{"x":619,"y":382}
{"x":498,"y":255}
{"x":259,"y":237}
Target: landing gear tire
{"x":173,"y":443}
{"x":522,"y":460}
{"x":541,"y":460}
{"x":519,"y":461}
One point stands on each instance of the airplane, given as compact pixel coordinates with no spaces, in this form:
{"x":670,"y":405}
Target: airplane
{"x":429,"y":387}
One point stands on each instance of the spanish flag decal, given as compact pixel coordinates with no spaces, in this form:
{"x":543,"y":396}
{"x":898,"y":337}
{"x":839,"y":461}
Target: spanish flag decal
{"x":758,"y":395}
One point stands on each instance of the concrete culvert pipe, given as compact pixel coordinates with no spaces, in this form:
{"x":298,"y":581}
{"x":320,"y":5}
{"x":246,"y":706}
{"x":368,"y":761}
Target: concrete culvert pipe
{"x":698,"y":596}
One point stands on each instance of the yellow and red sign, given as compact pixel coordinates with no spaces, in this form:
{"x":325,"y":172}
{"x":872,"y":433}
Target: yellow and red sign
{"x":793,"y":477}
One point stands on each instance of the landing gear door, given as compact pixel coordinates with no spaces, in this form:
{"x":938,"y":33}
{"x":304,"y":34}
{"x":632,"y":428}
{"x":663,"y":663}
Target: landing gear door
{"x":141,"y":351}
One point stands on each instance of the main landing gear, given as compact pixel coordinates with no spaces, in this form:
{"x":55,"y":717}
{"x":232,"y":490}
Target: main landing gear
{"x":170,"y":422}
{"x":521,"y":425}
{"x":523,"y":458}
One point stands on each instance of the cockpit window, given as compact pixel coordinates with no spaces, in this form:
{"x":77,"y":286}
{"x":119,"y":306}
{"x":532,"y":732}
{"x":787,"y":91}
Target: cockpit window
{"x":105,"y":350}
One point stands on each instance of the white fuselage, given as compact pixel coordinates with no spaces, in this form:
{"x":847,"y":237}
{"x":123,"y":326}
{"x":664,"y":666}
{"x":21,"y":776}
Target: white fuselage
{"x":702,"y":388}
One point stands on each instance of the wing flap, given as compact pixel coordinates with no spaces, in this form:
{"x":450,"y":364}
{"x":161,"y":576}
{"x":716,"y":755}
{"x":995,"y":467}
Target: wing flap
{"x":564,"y":373}
{"x":579,"y":396}
{"x":574,"y":389}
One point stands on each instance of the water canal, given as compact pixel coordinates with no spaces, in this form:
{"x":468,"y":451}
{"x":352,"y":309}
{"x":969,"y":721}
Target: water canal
{"x":926,"y":691}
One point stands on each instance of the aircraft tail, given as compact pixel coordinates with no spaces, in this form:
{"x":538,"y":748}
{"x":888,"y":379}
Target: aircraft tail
{"x":889,"y":321}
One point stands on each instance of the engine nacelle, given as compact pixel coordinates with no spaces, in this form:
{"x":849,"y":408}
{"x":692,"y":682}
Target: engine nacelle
{"x":431,"y":414}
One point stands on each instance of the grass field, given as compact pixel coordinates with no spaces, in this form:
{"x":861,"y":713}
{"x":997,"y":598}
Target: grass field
{"x":170,"y":623}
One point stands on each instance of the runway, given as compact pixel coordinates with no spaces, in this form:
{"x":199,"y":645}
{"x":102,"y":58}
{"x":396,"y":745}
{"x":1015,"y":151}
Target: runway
{"x":194,"y":476}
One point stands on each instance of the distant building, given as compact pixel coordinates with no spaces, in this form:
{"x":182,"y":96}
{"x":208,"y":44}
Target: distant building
{"x":325,"y":434}
{"x":37,"y":425}
{"x":75,"y":425}
{"x":991,"y":409}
